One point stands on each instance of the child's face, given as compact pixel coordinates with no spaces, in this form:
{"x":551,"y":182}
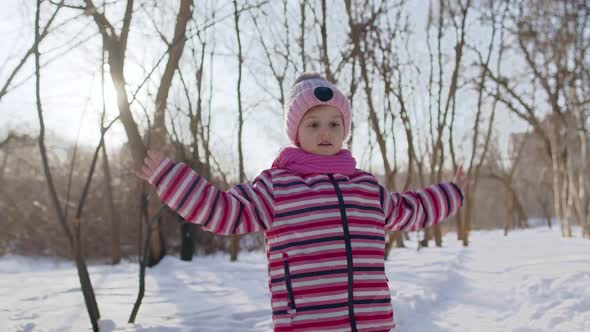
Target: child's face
{"x":321,"y":131}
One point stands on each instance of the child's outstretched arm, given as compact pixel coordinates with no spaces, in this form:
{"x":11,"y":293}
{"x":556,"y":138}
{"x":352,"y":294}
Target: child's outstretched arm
{"x":245,"y":208}
{"x":414,"y":210}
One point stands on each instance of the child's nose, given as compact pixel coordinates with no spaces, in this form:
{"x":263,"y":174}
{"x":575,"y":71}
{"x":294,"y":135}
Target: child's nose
{"x":324,"y":133}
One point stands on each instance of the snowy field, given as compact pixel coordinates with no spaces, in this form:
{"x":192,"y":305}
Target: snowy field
{"x":531,"y":281}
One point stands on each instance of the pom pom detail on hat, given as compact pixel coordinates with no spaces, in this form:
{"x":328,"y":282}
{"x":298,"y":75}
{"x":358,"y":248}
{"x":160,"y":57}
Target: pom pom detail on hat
{"x":309,"y":93}
{"x":323,"y":93}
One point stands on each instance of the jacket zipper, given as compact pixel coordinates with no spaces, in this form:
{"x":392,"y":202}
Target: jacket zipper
{"x":348,"y":251}
{"x":291,"y":303}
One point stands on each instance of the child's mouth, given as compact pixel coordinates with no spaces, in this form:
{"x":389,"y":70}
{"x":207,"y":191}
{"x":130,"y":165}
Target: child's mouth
{"x":325,"y":144}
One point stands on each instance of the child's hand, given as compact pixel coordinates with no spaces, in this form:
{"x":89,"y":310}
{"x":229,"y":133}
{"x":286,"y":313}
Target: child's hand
{"x":461,"y":179}
{"x":151,"y":162}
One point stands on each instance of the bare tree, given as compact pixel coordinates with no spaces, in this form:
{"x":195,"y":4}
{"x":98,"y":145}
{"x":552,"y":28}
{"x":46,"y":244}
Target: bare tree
{"x":505,"y":174}
{"x":334,"y":64}
{"x":111,"y":207}
{"x":359,"y":37}
{"x":279,"y":60}
{"x":302,"y":34}
{"x":116,"y":46}
{"x":242,"y":176}
{"x":73,"y":238}
{"x":444,"y":118}
{"x":325,"y":58}
{"x":108,"y":187}
{"x":386,"y":60}
{"x":550,"y":42}
{"x":464,"y":218}
{"x":158,"y":131}
{"x":198,"y":132}
{"x":366,"y":41}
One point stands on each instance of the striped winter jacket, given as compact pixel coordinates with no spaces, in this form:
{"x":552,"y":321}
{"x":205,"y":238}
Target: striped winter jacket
{"x":325,"y":237}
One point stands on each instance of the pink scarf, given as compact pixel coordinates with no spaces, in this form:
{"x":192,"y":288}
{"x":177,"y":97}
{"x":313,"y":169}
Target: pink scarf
{"x":301,"y":162}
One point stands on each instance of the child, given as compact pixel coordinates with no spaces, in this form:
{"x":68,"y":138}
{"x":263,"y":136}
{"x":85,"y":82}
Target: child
{"x":323,"y":219}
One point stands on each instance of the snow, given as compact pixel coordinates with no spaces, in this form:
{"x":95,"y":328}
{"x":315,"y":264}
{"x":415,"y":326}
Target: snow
{"x":532,"y":280}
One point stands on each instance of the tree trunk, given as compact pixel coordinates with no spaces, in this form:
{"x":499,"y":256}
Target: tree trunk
{"x":437,"y":235}
{"x":546,"y":213}
{"x":467,"y":214}
{"x":302,"y":34}
{"x":459,"y":225}
{"x":113,"y":213}
{"x":3,"y":166}
{"x":325,"y":59}
{"x":187,"y":248}
{"x":508,"y":214}
{"x":86,"y":285}
{"x":158,"y":132}
{"x":521,"y":213}
{"x":426,"y":237}
{"x":110,"y":203}
{"x":138,"y":149}
{"x":560,"y":191}
{"x":176,"y":47}
{"x":235,"y":239}
{"x":116,"y":46}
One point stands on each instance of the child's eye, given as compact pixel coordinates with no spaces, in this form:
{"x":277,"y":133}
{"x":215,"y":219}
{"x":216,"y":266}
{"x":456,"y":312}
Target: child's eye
{"x":334,"y":124}
{"x":313,"y":125}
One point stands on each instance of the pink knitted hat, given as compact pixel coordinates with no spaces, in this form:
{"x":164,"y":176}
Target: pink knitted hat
{"x":308,"y":93}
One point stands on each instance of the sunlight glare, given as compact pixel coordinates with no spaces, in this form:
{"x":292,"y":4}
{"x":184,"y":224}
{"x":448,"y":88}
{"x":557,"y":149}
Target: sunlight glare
{"x":110,"y":98}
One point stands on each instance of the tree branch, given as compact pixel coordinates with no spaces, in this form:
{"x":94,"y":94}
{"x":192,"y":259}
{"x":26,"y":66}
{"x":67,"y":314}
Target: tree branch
{"x":126,"y":23}
{"x":31,"y":50}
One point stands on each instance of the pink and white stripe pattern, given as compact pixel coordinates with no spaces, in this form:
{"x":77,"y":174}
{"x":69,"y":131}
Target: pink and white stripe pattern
{"x":325,"y":237}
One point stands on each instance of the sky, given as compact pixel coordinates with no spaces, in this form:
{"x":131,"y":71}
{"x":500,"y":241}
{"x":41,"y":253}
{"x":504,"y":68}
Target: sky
{"x":71,"y":94}
{"x":531,"y":281}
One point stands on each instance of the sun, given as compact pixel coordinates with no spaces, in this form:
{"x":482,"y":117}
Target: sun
{"x":110,"y":98}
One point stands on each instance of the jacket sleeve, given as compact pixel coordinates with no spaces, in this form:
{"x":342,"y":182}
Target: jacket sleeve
{"x":414,"y":210}
{"x":245,"y":208}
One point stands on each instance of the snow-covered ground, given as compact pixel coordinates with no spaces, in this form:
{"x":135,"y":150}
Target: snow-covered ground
{"x":532,"y":280}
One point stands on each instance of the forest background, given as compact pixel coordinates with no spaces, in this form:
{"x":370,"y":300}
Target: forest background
{"x":87,"y":86}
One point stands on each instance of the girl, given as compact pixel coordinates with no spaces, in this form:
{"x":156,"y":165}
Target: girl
{"x":324,"y":220}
